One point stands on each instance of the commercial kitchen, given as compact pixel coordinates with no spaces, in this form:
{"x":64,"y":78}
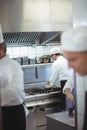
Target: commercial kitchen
{"x":31,"y":29}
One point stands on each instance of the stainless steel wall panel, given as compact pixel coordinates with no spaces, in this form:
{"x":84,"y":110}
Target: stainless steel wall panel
{"x":35,"y":15}
{"x":29,"y":74}
{"x":79,"y":12}
{"x":43,"y":73}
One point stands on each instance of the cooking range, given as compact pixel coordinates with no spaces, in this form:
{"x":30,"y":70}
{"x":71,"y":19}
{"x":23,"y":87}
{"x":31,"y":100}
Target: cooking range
{"x":42,"y":96}
{"x":35,"y":79}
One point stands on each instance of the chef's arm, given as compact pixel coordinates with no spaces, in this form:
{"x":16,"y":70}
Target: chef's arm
{"x":68,"y":93}
{"x":54,"y":75}
{"x":68,"y":88}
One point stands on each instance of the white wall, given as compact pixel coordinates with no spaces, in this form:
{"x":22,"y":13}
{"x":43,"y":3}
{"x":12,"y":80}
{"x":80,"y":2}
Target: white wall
{"x":79,"y":12}
{"x":30,"y":52}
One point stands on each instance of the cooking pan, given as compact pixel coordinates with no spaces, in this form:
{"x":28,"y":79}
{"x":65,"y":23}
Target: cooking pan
{"x":47,"y":85}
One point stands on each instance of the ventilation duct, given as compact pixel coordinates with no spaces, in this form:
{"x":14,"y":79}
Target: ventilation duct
{"x":27,"y":22}
{"x":30,"y":38}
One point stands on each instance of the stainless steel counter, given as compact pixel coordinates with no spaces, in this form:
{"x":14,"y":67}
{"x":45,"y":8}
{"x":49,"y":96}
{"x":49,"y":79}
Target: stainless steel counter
{"x":60,"y":120}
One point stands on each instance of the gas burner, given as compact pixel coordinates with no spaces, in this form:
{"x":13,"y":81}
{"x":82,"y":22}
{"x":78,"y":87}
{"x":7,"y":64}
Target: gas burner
{"x":42,"y":96}
{"x":32,"y":91}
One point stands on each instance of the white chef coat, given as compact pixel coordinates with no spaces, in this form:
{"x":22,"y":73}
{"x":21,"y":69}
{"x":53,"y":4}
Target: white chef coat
{"x":69,"y":84}
{"x":11,"y":82}
{"x":60,"y":70}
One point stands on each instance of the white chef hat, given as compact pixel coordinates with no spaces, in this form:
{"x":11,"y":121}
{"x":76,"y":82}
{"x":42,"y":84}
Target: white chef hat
{"x":1,"y":35}
{"x":75,"y":39}
{"x":54,"y":51}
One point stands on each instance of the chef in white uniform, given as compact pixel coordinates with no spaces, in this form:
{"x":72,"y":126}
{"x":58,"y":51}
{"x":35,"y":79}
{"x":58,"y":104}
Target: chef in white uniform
{"x":69,"y":91}
{"x":69,"y":88}
{"x":60,"y":71}
{"x":12,"y":91}
{"x":74,"y":47}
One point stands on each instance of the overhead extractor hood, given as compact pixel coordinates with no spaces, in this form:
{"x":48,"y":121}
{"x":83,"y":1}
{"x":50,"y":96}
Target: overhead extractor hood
{"x":35,"y":15}
{"x":31,"y":38}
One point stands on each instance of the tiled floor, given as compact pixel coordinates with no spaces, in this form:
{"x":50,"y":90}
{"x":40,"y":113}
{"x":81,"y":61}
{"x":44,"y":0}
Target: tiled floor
{"x":36,"y":120}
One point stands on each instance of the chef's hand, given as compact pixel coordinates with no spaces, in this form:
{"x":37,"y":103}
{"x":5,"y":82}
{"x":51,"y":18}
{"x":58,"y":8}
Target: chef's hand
{"x":69,"y":94}
{"x":70,"y":97}
{"x":48,"y":81}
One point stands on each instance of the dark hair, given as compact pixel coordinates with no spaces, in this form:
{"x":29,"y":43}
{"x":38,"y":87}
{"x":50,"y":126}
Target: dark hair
{"x":3,"y":45}
{"x":57,"y":54}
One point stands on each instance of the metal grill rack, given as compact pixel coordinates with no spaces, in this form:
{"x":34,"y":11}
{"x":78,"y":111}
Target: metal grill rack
{"x":30,"y":38}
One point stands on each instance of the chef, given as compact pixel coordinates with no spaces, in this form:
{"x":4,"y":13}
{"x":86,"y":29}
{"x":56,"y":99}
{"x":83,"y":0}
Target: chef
{"x":54,"y":53}
{"x":68,"y":89}
{"x":60,"y":72}
{"x":74,"y":46}
{"x":12,"y":91}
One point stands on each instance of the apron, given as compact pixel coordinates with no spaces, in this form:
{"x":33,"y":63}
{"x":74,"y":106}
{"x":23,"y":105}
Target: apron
{"x":63,"y":101}
{"x":13,"y":117}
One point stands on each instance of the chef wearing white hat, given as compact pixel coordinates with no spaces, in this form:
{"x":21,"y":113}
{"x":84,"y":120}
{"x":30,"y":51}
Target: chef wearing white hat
{"x":12,"y":91}
{"x":59,"y":66}
{"x":54,"y":51}
{"x":60,"y":72}
{"x":74,"y":47}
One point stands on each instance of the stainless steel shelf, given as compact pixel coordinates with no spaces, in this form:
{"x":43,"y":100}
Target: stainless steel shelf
{"x":42,"y":102}
{"x":35,"y":65}
{"x":41,"y":99}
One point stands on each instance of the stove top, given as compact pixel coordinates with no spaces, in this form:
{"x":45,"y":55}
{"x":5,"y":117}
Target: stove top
{"x":35,"y":90}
